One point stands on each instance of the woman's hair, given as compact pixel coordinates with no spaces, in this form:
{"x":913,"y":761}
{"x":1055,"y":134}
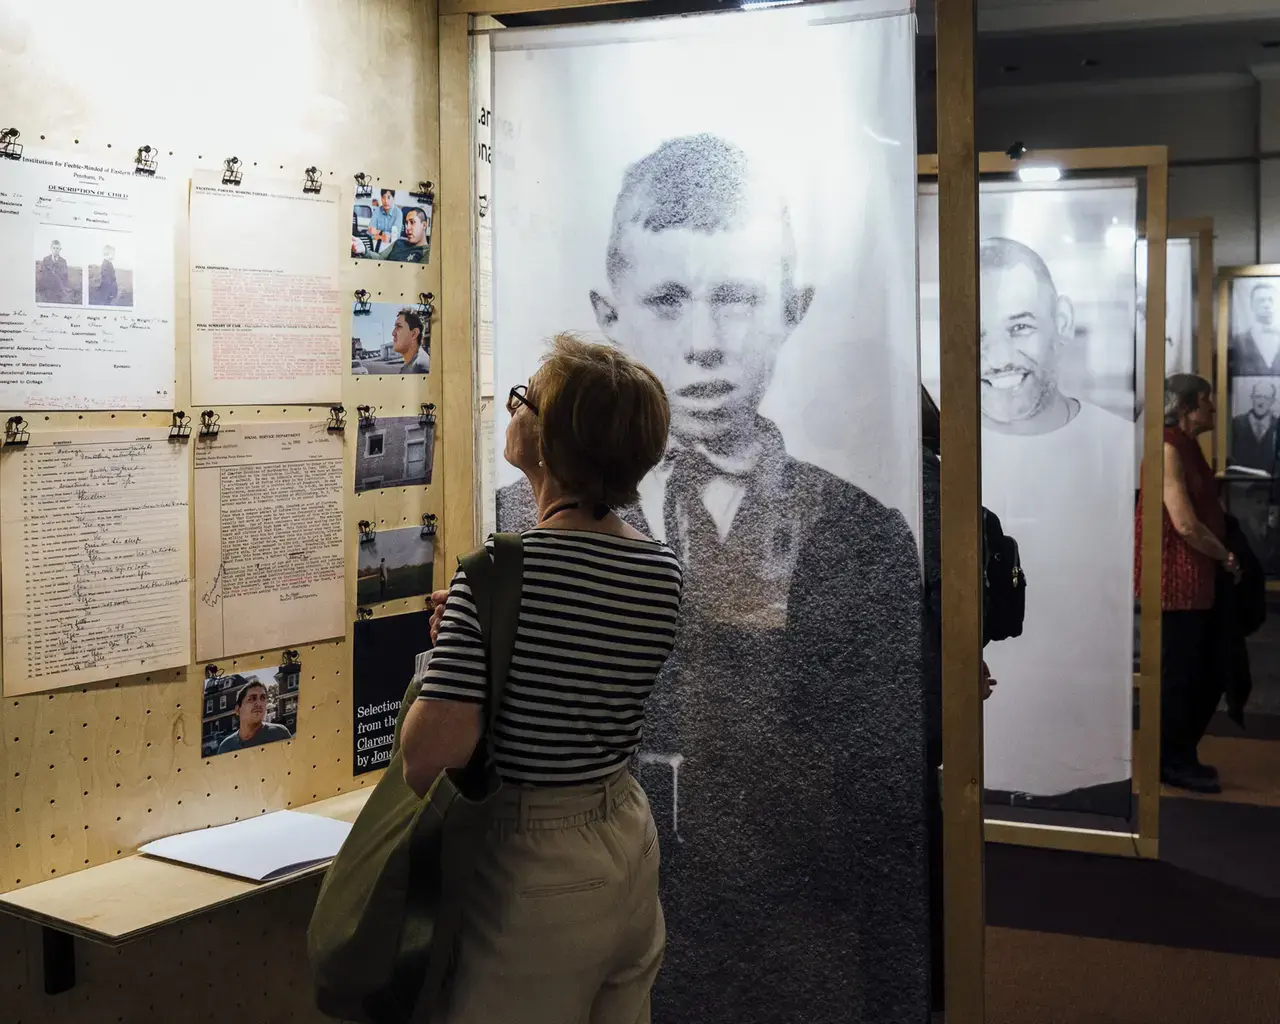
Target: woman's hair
{"x":1182,"y":393}
{"x":930,"y":421}
{"x":604,"y":420}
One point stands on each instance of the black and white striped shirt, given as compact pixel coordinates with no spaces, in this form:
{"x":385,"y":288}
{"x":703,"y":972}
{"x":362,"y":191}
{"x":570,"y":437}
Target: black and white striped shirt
{"x":597,"y":621}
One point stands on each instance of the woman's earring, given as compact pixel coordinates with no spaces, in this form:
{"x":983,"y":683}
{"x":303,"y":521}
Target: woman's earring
{"x":539,"y":462}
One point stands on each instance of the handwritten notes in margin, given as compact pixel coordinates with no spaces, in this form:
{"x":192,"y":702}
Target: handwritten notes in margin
{"x":270,"y":569}
{"x":94,"y":543}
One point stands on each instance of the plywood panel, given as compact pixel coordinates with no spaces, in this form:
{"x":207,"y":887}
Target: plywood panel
{"x":87,"y":775}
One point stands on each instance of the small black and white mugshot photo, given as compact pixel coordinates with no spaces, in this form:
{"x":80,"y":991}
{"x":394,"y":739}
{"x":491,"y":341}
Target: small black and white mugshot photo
{"x":1253,"y":331}
{"x":1058,"y":316}
{"x":755,"y":247}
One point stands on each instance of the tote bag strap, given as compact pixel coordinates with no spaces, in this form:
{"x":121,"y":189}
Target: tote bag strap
{"x":495,"y":589}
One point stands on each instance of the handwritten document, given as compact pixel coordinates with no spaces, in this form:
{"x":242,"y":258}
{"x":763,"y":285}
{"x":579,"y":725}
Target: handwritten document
{"x":86,"y":286}
{"x":94,"y":542}
{"x":270,"y":569}
{"x":265,"y":315}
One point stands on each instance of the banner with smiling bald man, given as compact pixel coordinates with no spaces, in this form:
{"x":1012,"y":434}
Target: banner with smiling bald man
{"x":731,"y":199}
{"x":1057,"y":377}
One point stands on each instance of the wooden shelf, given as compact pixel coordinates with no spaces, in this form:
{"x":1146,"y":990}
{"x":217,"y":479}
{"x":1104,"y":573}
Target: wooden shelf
{"x":115,"y":903}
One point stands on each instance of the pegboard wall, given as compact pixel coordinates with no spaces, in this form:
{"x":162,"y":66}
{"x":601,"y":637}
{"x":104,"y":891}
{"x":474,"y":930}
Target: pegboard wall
{"x":89,"y":774}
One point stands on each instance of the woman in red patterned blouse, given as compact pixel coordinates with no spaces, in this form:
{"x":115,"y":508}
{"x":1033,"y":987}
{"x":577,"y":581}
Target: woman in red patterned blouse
{"x":1192,"y":560}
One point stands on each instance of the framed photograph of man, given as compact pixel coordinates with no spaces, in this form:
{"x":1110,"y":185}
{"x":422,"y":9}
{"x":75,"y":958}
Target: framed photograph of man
{"x":1253,"y":345}
{"x":392,"y":224}
{"x":248,"y":709}
{"x":1057,"y":378}
{"x":659,"y":191}
{"x":389,"y":338}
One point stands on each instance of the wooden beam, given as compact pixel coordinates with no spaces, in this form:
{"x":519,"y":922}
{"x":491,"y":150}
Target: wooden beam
{"x":961,"y":515}
{"x":1146,"y":754}
{"x":1113,"y":158}
{"x":498,"y":7}
{"x":1079,"y":840}
{"x":459,"y":419}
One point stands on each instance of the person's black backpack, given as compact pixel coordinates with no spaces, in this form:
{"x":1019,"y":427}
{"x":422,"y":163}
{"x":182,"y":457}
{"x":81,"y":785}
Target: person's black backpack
{"x":1004,"y":585}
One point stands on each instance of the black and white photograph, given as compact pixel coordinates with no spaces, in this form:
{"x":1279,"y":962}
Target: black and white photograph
{"x":59,"y":266}
{"x":1253,"y":346}
{"x":1251,"y":437}
{"x":248,"y":709}
{"x":1256,"y":504}
{"x":392,"y":224}
{"x":395,"y":564}
{"x":395,"y":451}
{"x":1057,"y":379}
{"x":384,"y":653}
{"x":389,"y":338}
{"x":111,"y":274}
{"x":659,"y":191}
{"x":1179,"y":309}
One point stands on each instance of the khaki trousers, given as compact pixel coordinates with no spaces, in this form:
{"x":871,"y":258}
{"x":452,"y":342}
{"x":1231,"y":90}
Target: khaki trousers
{"x":564,"y":924}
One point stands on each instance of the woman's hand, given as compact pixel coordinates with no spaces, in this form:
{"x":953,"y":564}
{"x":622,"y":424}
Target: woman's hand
{"x":437,"y":612}
{"x":988,"y":684}
{"x":1232,"y":565}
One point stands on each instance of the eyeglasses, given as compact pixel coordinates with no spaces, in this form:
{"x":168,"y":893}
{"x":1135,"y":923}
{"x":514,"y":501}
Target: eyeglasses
{"x":518,"y":396}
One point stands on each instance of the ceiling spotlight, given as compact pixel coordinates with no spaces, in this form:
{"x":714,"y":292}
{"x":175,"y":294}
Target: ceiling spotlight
{"x":1016,"y":152}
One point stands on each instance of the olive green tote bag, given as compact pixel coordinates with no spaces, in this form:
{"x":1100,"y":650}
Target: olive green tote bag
{"x":386,"y":921}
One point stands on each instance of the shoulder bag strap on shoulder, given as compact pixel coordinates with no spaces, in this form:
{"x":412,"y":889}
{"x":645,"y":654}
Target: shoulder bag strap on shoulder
{"x":495,"y":590}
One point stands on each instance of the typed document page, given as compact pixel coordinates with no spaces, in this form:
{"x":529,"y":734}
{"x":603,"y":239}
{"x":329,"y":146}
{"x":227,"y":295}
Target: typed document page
{"x":265,"y":316}
{"x":94,"y":545}
{"x":86,"y":286}
{"x":269,"y":558}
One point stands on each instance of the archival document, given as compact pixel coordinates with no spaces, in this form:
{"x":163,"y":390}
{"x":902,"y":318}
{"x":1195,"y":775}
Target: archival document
{"x":265,"y":315}
{"x":269,"y":557}
{"x":94,"y":545}
{"x":86,"y":285}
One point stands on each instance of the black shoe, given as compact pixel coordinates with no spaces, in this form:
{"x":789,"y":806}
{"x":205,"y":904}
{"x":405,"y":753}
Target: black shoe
{"x":1189,"y":778}
{"x":1205,"y":771}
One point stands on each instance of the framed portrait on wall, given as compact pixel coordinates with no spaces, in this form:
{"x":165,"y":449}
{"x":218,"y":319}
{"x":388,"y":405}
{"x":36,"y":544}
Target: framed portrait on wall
{"x":1059,"y":404}
{"x":1249,"y":400}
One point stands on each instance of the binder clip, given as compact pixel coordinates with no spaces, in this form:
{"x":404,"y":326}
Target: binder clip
{"x":427,"y":417}
{"x":180,"y":428}
{"x":209,"y":423}
{"x":364,"y":614}
{"x":484,"y":206}
{"x":290,"y":660}
{"x":337,"y":419}
{"x":231,"y":173}
{"x":10,"y":147}
{"x":367,"y":533}
{"x":362,"y":307}
{"x":425,"y":192}
{"x":429,"y":521}
{"x":145,"y":161}
{"x":16,"y":434}
{"x":312,"y":186}
{"x":364,"y":186}
{"x":365,"y":412}
{"x":211,"y":672}
{"x":425,"y":306}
